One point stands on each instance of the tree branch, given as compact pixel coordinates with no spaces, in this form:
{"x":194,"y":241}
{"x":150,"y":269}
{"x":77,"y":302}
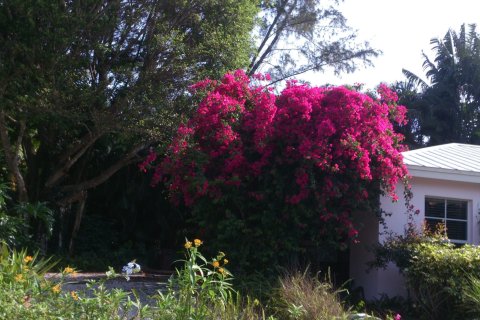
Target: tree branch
{"x":274,"y":42}
{"x":317,"y":66}
{"x":265,"y":39}
{"x":129,"y":158}
{"x":72,"y":156}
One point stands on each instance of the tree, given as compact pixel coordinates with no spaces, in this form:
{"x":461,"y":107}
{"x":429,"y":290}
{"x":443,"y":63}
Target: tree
{"x":86,"y":86}
{"x":282,"y":174}
{"x":296,"y":36}
{"x":409,"y":96}
{"x":449,"y":107}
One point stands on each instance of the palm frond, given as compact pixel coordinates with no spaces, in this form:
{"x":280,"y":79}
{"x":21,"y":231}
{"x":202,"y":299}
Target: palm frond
{"x":415,"y":80}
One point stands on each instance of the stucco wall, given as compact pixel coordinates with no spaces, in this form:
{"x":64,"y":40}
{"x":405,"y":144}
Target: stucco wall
{"x":389,"y":281}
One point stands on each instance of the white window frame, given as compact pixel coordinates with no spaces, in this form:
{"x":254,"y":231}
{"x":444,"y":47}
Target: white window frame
{"x":445,"y":219}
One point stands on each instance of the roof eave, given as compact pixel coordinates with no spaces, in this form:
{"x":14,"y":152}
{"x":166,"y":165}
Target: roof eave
{"x":444,"y":174}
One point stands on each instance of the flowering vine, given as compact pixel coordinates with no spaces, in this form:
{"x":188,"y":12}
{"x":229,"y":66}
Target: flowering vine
{"x":325,"y":150}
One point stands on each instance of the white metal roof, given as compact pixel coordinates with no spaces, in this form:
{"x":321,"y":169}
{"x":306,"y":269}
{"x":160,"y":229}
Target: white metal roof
{"x":460,"y":160}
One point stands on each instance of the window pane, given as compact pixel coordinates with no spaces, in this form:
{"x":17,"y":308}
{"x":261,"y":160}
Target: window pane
{"x":457,"y":209}
{"x":457,"y":230}
{"x":434,"y":207}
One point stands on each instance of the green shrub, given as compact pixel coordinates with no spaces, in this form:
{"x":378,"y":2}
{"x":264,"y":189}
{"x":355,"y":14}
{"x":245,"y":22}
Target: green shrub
{"x":439,"y":276}
{"x":437,"y":271}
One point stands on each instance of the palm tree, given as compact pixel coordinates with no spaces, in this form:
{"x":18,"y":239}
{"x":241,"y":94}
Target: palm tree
{"x":450,"y":100}
{"x":409,"y":96}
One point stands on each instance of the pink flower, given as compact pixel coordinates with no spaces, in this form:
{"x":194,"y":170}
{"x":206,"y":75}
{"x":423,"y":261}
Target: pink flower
{"x":397,"y":317}
{"x":324,"y":147}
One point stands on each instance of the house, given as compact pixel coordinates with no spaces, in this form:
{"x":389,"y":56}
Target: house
{"x":445,"y":182}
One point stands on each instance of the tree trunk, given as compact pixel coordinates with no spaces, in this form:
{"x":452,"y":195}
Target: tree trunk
{"x":11,"y":156}
{"x":78,"y":221}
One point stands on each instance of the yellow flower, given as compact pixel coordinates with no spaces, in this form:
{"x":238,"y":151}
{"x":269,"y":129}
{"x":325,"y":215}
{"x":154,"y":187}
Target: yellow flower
{"x":198,"y":242}
{"x":74,"y":295}
{"x":27,"y":259}
{"x":221,"y":270}
{"x":56,"y":288}
{"x":225,"y":261}
{"x":216,"y":264}
{"x":68,"y":270}
{"x":188,"y":245}
{"x":19,"y":278}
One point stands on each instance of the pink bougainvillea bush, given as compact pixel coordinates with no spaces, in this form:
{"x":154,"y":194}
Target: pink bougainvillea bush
{"x":282,"y":173}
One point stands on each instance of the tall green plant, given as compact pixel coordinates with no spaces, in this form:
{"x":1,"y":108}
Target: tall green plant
{"x":199,"y":287}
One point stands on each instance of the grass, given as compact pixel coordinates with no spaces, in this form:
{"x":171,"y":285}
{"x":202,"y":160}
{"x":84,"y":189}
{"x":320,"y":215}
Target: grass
{"x":302,"y":296}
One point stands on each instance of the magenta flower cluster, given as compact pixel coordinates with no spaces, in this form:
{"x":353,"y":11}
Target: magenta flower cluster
{"x":330,"y":144}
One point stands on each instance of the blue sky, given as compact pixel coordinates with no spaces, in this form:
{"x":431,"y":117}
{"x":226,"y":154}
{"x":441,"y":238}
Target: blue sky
{"x":401,"y":29}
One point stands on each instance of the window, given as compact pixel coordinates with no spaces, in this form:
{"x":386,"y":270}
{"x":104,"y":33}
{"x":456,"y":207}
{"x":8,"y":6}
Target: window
{"x":454,"y":213}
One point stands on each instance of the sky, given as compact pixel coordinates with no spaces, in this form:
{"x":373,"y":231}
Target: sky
{"x":401,"y":29}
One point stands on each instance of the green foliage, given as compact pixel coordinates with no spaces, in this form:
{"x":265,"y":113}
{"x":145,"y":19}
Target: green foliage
{"x":85,"y":87}
{"x":22,"y":223}
{"x":438,"y":272}
{"x":38,"y":211}
{"x":13,"y":230}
